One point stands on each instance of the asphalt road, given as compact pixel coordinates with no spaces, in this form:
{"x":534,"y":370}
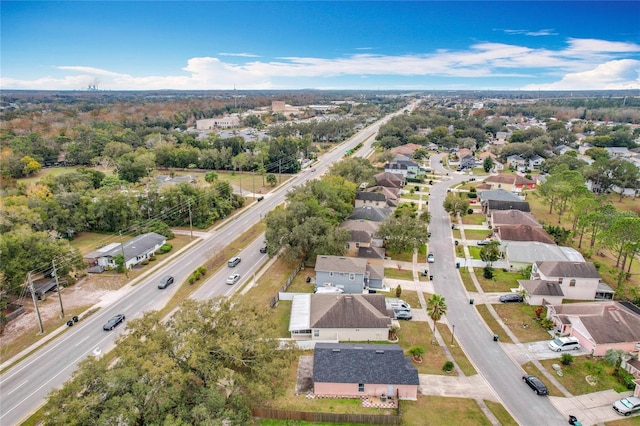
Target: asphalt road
{"x":26,"y":385}
{"x":491,"y":361}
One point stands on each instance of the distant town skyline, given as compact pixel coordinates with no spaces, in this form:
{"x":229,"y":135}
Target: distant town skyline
{"x":336,"y":45}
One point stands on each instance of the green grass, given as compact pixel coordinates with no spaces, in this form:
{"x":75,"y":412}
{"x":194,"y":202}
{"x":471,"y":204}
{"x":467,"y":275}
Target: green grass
{"x":455,"y":350}
{"x":573,"y":378}
{"x":443,"y":411}
{"x":465,"y":275}
{"x":476,"y":234}
{"x":398,"y":274}
{"x":474,"y":219}
{"x":501,"y":281}
{"x":501,"y":413}
{"x":474,"y":251}
{"x":520,"y":318}
{"x":492,"y":324}
{"x":405,"y":256}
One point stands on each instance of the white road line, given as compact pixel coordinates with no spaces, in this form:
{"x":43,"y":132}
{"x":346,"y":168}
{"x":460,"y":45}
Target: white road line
{"x":17,"y":387}
{"x":80,"y":342}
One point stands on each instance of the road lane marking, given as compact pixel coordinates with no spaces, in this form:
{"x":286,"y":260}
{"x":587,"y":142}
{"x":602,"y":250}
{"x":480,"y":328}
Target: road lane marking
{"x":80,"y":342}
{"x":17,"y":387}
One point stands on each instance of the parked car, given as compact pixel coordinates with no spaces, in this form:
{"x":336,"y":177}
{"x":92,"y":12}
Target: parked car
{"x":233,"y":262}
{"x":535,"y":384}
{"x":431,"y":258}
{"x":165,"y":282}
{"x":404,"y":315}
{"x":511,"y":297}
{"x":113,"y":322}
{"x":233,"y":278}
{"x":564,"y":343}
{"x":627,"y":406}
{"x":484,"y":242}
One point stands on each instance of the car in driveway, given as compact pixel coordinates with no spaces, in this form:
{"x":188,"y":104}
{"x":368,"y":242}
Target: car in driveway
{"x":431,"y":258}
{"x":165,"y":282}
{"x":511,"y":298}
{"x":484,"y":242}
{"x":535,"y":384}
{"x":233,"y":278}
{"x":403,"y":315}
{"x":627,"y":406}
{"x":113,"y":322}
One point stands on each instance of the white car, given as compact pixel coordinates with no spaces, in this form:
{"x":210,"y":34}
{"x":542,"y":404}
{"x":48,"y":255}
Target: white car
{"x":233,"y":278}
{"x":627,"y":406}
{"x":431,"y":258}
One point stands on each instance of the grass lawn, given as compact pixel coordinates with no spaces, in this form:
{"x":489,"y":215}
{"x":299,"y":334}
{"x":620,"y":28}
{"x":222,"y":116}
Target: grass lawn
{"x":457,"y":352}
{"x":501,"y":281}
{"x":492,"y":324}
{"x":442,"y":411}
{"x":474,"y":219}
{"x":573,"y":378}
{"x":476,"y":234}
{"x":474,"y":251}
{"x":520,"y":318}
{"x":409,"y":196}
{"x":398,"y":274}
{"x":465,"y":275}
{"x":418,"y":333}
{"x":501,"y":413}
{"x":411,"y":297}
{"x":405,"y":256}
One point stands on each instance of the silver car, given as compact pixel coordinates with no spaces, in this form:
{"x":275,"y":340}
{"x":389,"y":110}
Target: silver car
{"x":233,"y":278}
{"x":627,"y":406}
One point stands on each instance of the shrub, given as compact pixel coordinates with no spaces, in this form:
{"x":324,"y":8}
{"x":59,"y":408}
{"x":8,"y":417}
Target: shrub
{"x":166,"y":248}
{"x":470,"y":211}
{"x":626,"y":379}
{"x":398,"y":291}
{"x":448,"y":366}
{"x":567,"y":359}
{"x":487,"y":272}
{"x":145,"y":262}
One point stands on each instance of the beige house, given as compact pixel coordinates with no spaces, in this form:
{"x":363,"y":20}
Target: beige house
{"x":599,"y":326}
{"x":340,"y":317}
{"x":553,"y":281}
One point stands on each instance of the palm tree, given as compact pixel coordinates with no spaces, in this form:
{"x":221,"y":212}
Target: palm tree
{"x":436,"y":308}
{"x":614,"y":357}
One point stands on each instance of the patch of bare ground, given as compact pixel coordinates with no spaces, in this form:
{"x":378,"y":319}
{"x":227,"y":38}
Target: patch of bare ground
{"x":24,"y":331}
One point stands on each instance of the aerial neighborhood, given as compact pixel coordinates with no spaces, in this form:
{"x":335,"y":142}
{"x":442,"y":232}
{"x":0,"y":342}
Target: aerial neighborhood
{"x":395,"y":252}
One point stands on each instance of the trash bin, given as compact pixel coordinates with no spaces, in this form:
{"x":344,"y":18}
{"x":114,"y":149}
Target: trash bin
{"x":75,"y":318}
{"x":495,"y":337}
{"x":457,"y":265}
{"x":69,"y":323}
{"x":471,"y":301}
{"x":456,"y":242}
{"x":430,"y":277}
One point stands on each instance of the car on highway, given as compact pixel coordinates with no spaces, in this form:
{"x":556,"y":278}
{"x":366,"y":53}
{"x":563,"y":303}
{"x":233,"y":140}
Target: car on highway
{"x":233,"y":278}
{"x":233,"y":262}
{"x":165,"y":282}
{"x":263,"y":248}
{"x":535,"y":384}
{"x":113,"y":322}
{"x":404,"y":315}
{"x":431,"y":258}
{"x":627,"y":406}
{"x":511,"y":298}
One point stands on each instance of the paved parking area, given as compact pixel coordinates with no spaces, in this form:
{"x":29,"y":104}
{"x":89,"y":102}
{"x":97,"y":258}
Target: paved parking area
{"x":592,"y":408}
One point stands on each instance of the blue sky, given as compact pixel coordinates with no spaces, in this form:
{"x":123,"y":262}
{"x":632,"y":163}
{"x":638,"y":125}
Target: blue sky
{"x":401,"y":45}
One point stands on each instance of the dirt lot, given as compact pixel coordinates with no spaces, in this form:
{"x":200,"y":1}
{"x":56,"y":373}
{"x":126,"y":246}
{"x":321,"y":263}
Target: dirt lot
{"x":24,"y":330}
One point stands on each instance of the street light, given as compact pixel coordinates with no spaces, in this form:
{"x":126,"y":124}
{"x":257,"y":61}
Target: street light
{"x":453,"y":332}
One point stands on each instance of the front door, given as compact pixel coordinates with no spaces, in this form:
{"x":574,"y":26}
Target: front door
{"x":390,"y":391}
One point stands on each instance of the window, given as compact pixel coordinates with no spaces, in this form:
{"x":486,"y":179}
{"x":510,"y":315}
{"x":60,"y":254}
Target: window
{"x":560,"y":280}
{"x":346,"y":246}
{"x":357,"y":245}
{"x":572,"y":283}
{"x":360,"y":387}
{"x":330,"y":273}
{"x":316,"y":333}
{"x":352,"y":277}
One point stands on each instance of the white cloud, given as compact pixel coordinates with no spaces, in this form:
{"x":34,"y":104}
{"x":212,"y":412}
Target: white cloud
{"x":620,"y":74}
{"x":242,"y":55}
{"x":585,"y":63}
{"x":537,"y":33}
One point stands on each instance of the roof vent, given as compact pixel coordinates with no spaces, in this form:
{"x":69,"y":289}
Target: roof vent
{"x":379,"y":351}
{"x":335,"y":350}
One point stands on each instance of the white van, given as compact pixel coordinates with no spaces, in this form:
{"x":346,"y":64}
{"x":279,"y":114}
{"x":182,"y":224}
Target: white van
{"x":397,"y":304}
{"x":567,"y":343}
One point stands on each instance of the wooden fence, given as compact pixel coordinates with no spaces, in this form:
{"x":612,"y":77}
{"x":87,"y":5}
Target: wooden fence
{"x":307,"y":416}
{"x":287,"y":283}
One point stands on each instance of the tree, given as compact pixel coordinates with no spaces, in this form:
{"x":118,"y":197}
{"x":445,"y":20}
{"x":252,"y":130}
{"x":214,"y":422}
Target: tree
{"x":487,"y":164}
{"x":614,"y":357}
{"x":622,"y":235}
{"x":272,"y":179}
{"x":436,"y":309}
{"x":416,"y":353}
{"x":30,"y":165}
{"x":404,"y":233}
{"x":490,"y":253}
{"x":456,"y":205}
{"x":210,"y":177}
{"x":209,"y":364}
{"x":354,"y":169}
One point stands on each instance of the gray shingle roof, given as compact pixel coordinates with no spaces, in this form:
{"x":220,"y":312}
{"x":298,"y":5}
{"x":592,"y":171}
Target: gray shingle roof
{"x":367,"y":364}
{"x":513,"y":217}
{"x":341,"y":264}
{"x":349,"y":311}
{"x":498,"y":194}
{"x":523,"y":233}
{"x":541,"y":287}
{"x":370,"y":196}
{"x":507,"y":205}
{"x":568,"y":269}
{"x":377,"y":214}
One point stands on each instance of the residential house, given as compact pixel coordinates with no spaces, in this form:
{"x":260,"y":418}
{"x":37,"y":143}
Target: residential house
{"x":512,"y":183}
{"x":135,"y":251}
{"x":497,"y":166}
{"x":618,"y":151}
{"x":225,"y":122}
{"x":535,"y":161}
{"x":512,"y":217}
{"x":522,"y":254}
{"x":407,"y":149}
{"x":350,"y":274}
{"x":406,"y":168}
{"x":373,"y":199}
{"x":564,"y":280}
{"x":168,"y":180}
{"x":376,"y":214}
{"x":392,"y":195}
{"x":499,"y":199}
{"x":358,"y":370}
{"x":599,"y":326}
{"x":340,"y":317}
{"x":522,"y":233}
{"x":390,"y":180}
{"x":562,"y":149}
{"x":516,"y":162}
{"x":466,"y":160}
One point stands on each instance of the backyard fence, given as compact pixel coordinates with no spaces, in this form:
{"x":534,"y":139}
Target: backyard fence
{"x":307,"y":416}
{"x":287,"y":283}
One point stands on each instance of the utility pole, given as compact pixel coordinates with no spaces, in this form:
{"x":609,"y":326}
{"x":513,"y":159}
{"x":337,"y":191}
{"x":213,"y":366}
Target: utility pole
{"x":124,"y":259}
{"x":190,"y":222}
{"x":280,"y":169}
{"x":35,"y":301}
{"x":55,"y":275}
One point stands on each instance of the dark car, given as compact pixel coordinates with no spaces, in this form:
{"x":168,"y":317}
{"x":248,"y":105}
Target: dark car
{"x":165,"y":282}
{"x":535,"y":384}
{"x":511,"y":297}
{"x":113,"y":322}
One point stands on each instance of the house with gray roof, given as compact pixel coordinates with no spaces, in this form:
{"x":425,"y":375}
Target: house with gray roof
{"x":359,"y":370}
{"x":352,"y":275}
{"x":135,"y":251}
{"x":512,"y":217}
{"x":521,"y":254}
{"x":390,"y":180}
{"x":340,"y":317}
{"x":522,"y":233}
{"x":577,"y":281}
{"x":376,"y":214}
{"x":368,"y":198}
{"x":599,"y":326}
{"x":392,"y":195}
